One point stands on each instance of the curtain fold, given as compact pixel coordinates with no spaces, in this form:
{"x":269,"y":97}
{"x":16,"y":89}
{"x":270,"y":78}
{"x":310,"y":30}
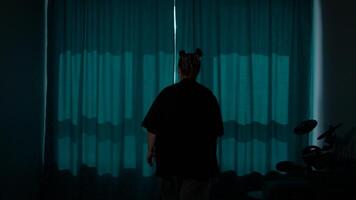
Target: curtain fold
{"x":109,"y":59}
{"x":257,"y":62}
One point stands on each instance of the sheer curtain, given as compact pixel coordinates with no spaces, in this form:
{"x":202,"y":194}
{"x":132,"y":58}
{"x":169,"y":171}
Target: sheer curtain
{"x":108,"y":60}
{"x":257,"y":62}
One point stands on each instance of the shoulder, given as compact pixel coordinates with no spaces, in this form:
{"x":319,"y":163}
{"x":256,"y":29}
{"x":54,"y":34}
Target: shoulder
{"x":167,"y":91}
{"x":205,"y":90}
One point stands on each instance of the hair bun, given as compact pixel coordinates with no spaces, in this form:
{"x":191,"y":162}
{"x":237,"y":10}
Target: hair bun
{"x":198,"y":52}
{"x":182,"y":53}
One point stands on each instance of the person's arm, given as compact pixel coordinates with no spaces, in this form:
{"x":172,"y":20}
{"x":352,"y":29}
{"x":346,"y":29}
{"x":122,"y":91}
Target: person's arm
{"x":153,"y":122}
{"x":151,"y":142}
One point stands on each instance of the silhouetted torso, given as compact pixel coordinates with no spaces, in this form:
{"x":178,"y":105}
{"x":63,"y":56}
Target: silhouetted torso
{"x":186,"y":119}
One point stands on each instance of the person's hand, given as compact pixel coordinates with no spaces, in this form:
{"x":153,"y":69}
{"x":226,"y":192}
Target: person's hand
{"x":150,"y":158}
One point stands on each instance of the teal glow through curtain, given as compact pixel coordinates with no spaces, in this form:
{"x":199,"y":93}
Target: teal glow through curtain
{"x":257,"y":62}
{"x":109,"y":59}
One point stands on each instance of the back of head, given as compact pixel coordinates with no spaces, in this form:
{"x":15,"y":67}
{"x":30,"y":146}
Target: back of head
{"x":189,"y":63}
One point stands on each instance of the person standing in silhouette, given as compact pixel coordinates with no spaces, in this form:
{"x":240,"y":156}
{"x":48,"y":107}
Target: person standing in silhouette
{"x":183,"y":125}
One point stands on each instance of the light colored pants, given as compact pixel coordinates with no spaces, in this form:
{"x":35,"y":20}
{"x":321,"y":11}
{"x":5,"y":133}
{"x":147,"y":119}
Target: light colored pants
{"x":178,"y":188}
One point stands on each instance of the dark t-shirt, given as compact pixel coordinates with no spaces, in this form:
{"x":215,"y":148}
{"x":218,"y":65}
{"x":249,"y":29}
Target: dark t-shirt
{"x":186,"y":120}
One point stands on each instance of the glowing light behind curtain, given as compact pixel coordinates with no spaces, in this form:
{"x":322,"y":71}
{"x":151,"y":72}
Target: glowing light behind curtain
{"x":257,"y":62}
{"x":110,"y":59}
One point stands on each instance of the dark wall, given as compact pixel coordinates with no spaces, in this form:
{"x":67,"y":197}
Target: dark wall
{"x":339,"y":64}
{"x":21,"y":97}
{"x":339,"y":32}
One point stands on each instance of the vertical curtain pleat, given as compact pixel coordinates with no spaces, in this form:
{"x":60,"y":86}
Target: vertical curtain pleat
{"x":112,"y":58}
{"x":108,"y":60}
{"x":256,"y":61}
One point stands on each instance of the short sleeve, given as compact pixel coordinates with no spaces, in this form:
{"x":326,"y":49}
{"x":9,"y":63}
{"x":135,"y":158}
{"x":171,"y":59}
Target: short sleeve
{"x":152,"y":120}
